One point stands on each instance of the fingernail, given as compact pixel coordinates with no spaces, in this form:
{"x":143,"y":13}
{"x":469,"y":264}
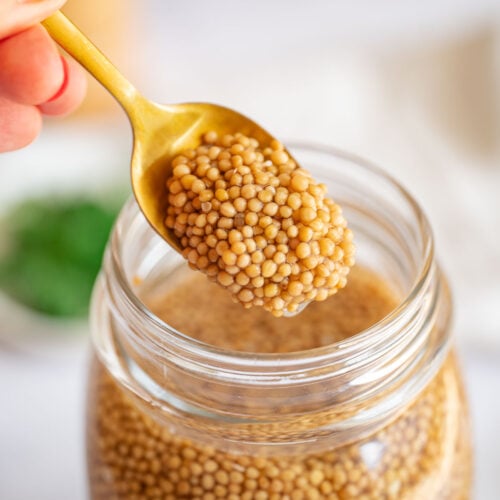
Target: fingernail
{"x":64,"y":84}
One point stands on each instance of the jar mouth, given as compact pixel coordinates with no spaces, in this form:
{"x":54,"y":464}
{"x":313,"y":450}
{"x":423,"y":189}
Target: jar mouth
{"x":357,"y":350}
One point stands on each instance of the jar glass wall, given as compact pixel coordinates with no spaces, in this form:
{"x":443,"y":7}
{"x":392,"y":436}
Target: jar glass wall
{"x":357,"y":397}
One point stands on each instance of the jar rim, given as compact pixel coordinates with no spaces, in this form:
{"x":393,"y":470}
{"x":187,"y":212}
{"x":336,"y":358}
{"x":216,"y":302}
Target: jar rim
{"x":314,"y":356}
{"x":166,"y":337}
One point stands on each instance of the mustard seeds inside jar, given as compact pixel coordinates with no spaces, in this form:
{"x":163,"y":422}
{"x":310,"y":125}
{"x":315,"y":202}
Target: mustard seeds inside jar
{"x":192,"y":396}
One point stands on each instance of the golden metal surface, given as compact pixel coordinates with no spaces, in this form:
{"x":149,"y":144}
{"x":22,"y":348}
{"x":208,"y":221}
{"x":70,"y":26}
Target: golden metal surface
{"x":160,"y":131}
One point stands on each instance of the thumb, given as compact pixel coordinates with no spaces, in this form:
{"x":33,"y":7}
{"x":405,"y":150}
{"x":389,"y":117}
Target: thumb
{"x":17,"y":15}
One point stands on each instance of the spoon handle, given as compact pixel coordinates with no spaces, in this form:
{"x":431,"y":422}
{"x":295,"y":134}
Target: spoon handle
{"x":73,"y":41}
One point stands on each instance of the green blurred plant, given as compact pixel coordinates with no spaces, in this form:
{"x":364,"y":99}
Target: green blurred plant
{"x":53,"y":253}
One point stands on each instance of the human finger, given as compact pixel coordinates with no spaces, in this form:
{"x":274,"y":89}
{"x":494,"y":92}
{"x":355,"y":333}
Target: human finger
{"x":70,"y":94}
{"x":18,"y":15}
{"x":19,"y":124}
{"x":31,"y":71}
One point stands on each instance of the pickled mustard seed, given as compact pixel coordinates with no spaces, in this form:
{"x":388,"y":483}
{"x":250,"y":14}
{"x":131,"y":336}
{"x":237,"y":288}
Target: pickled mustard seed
{"x":256,"y":223}
{"x":132,"y":456}
{"x":136,"y":452}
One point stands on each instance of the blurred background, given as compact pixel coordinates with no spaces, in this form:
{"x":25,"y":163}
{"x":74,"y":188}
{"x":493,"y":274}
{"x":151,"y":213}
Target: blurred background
{"x":415,"y":87}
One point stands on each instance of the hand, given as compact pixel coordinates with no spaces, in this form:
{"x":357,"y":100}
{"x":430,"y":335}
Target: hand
{"x":34,"y":78}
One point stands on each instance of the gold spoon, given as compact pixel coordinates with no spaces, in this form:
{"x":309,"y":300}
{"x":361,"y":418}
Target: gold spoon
{"x":160,"y":131}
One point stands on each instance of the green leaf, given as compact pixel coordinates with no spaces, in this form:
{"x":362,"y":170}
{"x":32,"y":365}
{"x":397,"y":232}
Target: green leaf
{"x":54,"y":252}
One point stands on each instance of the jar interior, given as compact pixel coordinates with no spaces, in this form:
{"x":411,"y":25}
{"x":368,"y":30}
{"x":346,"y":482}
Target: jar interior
{"x":389,"y":244}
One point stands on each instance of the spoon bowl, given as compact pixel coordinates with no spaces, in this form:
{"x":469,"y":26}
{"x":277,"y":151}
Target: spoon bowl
{"x":160,"y":132}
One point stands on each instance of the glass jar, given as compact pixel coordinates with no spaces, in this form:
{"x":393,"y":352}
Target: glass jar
{"x":378,"y":414}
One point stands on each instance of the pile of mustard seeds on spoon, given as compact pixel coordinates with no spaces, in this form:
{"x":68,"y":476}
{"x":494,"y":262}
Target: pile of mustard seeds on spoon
{"x":255,"y":222}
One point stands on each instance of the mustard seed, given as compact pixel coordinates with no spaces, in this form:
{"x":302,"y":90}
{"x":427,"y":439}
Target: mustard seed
{"x":232,"y":183}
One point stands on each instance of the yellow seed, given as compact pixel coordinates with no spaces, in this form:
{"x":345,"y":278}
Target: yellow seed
{"x":269,"y":268}
{"x":308,"y":200}
{"x":271,"y":232}
{"x":265,"y":196}
{"x":265,"y":221}
{"x":294,"y":201}
{"x":278,"y":303}
{"x":251,"y":218}
{"x":243,"y":260}
{"x":271,"y":208}
{"x":281,"y":196}
{"x":234,"y":236}
{"x":225,"y":223}
{"x":214,"y":152}
{"x":179,"y":200}
{"x":212,"y":174}
{"x":299,"y":183}
{"x":257,"y":257}
{"x":254,"y":205}
{"x":285,"y":212}
{"x":201,"y":220}
{"x":174,"y":187}
{"x":279,"y":157}
{"x":221,"y":195}
{"x":292,"y":231}
{"x":276,"y":145}
{"x":210,"y":137}
{"x":234,"y":192}
{"x":271,"y":290}
{"x":245,"y":295}
{"x":248,"y":191}
{"x":250,"y":244}
{"x":229,"y":258}
{"x":306,"y":278}
{"x":237,"y":149}
{"x":252,"y":270}
{"x":326,"y":247}
{"x":179,"y":160}
{"x":303,"y":250}
{"x":317,"y":225}
{"x":249,"y":157}
{"x":181,"y":170}
{"x":240,"y":204}
{"x":279,"y":258}
{"x":285,"y":269}
{"x":310,"y":262}
{"x":227,"y":209}
{"x":237,"y":161}
{"x":247,"y":231}
{"x":198,"y":186}
{"x":187,"y":181}
{"x":295,"y":288}
{"x":257,"y":282}
{"x":242,"y":279}
{"x":261,"y":178}
{"x":260,"y":241}
{"x":236,"y":180}
{"x":269,"y":251}
{"x":307,"y":214}
{"x":247,"y":179}
{"x":206,"y":195}
{"x":238,"y":247}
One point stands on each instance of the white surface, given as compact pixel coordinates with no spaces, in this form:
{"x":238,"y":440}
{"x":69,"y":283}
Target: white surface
{"x":41,"y":425}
